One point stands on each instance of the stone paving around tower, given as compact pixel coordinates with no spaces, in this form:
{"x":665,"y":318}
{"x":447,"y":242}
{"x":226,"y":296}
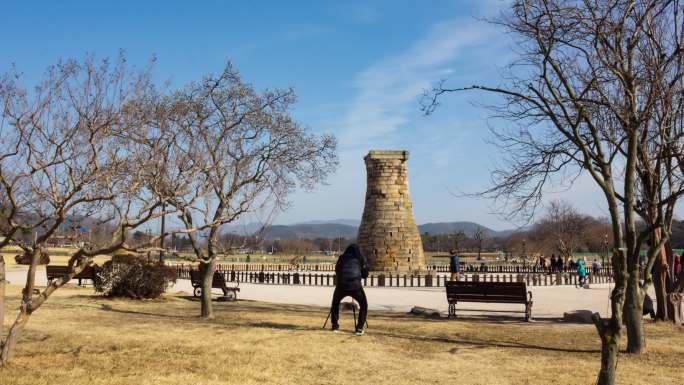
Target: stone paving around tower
{"x":549,"y":301}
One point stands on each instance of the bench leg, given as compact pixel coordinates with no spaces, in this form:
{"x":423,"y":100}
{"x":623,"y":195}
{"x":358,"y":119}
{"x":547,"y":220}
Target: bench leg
{"x":528,"y":312}
{"x":452,"y":310}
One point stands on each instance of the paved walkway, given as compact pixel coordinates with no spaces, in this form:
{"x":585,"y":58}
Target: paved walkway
{"x":549,"y":301}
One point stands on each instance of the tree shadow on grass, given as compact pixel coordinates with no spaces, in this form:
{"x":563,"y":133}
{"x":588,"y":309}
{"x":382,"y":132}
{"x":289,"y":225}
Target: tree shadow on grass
{"x":474,"y":343}
{"x":109,"y":308}
{"x":280,"y":326}
{"x":477,"y":343}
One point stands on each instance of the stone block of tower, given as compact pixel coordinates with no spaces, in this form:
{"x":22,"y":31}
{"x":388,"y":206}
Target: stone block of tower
{"x":388,"y":235}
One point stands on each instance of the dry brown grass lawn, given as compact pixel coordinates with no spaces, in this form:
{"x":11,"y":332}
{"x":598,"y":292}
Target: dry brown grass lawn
{"x":80,"y":338}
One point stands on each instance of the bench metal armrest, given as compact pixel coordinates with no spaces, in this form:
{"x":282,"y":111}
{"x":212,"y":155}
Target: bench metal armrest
{"x":529,"y":294}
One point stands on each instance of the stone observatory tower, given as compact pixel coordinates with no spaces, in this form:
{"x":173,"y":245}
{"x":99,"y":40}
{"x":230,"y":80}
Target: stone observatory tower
{"x":388,"y":235}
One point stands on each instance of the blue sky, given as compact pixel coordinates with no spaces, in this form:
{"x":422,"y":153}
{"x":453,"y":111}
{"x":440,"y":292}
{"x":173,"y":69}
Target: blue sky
{"x":358,"y":67}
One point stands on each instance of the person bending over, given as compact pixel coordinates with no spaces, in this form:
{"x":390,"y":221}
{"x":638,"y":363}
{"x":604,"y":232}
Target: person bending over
{"x":350,"y":269}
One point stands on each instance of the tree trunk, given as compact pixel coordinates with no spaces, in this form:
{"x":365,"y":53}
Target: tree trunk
{"x":609,"y":332}
{"x":660,"y":272}
{"x":207,"y":270}
{"x":633,"y":313}
{"x":12,"y":337}
{"x":660,"y":287}
{"x":2,"y":301}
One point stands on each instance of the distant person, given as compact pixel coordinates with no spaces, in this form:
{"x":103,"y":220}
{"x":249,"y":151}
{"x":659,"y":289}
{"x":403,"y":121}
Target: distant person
{"x":350,"y":269}
{"x":677,"y":264}
{"x":648,"y":307}
{"x":554,"y":263}
{"x":559,"y":263}
{"x":595,"y":267}
{"x":581,"y":272}
{"x":248,"y":259}
{"x":455,"y":265}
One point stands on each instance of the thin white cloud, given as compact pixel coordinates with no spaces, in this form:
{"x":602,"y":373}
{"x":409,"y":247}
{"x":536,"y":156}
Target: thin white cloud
{"x":387,"y":91}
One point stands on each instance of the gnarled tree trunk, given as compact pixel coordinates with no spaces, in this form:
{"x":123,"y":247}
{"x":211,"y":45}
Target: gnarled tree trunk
{"x":633,"y":312}
{"x":660,"y":282}
{"x":207,"y":272}
{"x":13,"y":335}
{"x":609,"y":330}
{"x":610,"y":338}
{"x":2,"y":301}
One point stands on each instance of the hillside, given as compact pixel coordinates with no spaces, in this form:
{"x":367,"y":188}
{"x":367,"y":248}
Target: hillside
{"x":453,"y":227}
{"x":310,"y":231}
{"x":345,"y":229}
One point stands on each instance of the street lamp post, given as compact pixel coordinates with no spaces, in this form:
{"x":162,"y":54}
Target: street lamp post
{"x":605,"y":250}
{"x":161,"y":241}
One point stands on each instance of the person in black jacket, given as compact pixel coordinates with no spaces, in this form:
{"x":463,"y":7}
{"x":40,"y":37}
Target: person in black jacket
{"x":350,"y":269}
{"x":454,"y":265}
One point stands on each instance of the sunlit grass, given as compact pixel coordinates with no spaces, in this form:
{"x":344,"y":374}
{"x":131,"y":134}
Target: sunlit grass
{"x":81,"y":338}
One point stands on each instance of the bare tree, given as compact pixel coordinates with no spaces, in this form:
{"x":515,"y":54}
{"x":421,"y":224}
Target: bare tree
{"x":587,"y":87}
{"x":565,"y":226}
{"x":479,"y":235}
{"x":250,"y":154}
{"x":661,"y":183}
{"x":65,"y":153}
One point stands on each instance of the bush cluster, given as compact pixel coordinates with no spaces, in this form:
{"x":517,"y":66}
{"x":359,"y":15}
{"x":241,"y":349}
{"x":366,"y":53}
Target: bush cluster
{"x":133,"y":277}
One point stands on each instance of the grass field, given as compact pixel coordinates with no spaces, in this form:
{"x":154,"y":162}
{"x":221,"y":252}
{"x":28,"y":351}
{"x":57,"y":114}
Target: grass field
{"x":79,"y":338}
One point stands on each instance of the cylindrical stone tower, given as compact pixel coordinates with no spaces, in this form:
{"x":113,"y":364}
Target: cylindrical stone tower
{"x":388,"y":235}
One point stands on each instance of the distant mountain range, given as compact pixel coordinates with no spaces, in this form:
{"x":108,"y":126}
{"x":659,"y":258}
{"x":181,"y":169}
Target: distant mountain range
{"x":468,"y":228}
{"x":348,"y":228}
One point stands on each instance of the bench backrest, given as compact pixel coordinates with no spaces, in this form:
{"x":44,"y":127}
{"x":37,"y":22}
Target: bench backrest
{"x":503,"y":292}
{"x":54,"y":271}
{"x":217,"y":279}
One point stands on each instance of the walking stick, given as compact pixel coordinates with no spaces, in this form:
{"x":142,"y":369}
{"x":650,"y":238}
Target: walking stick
{"x":328,"y":317}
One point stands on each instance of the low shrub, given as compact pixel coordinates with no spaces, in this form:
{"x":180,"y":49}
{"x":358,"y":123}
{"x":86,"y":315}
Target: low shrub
{"x":133,"y":277}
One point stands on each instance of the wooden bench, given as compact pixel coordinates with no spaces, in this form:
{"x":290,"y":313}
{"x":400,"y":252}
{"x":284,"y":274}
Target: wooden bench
{"x":490,"y":292}
{"x":54,"y":271}
{"x":217,"y":283}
